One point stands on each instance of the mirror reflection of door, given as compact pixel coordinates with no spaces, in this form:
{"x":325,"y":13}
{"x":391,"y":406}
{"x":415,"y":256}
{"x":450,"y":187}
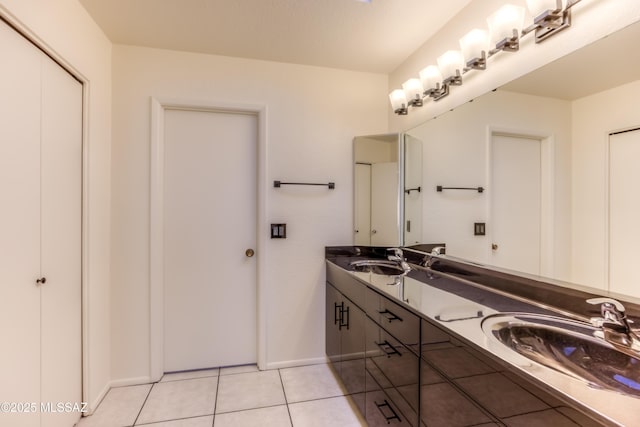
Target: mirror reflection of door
{"x":624,"y":209}
{"x":413,"y":190}
{"x":384,"y":204}
{"x":516,"y":203}
{"x":377,"y":209}
{"x":362,"y":196}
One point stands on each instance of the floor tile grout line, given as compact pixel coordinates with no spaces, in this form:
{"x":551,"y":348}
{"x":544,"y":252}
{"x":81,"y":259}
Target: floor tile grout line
{"x":215,"y":403}
{"x":174,"y":419}
{"x":286,"y":401}
{"x":143,"y":403}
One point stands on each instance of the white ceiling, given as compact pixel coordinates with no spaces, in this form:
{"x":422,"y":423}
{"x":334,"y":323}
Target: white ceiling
{"x":373,"y":36}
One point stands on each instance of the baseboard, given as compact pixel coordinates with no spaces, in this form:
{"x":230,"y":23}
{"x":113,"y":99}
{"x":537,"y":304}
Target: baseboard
{"x":131,"y":381}
{"x":299,"y":362}
{"x":94,"y":404}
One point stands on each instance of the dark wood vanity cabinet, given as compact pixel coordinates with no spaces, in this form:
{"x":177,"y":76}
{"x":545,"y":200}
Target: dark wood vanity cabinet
{"x":406,"y":370}
{"x":367,"y":342}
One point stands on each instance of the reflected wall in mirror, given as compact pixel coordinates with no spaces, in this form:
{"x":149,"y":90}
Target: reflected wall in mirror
{"x":387,"y":190}
{"x":556,"y":152}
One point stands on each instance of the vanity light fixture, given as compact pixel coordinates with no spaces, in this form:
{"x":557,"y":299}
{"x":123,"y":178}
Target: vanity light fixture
{"x":551,"y":17}
{"x":505,"y":26}
{"x":505,"y":30}
{"x":399,"y":102}
{"x":451,"y":64}
{"x":431,"y":79}
{"x":413,"y":92}
{"x":475,"y":45}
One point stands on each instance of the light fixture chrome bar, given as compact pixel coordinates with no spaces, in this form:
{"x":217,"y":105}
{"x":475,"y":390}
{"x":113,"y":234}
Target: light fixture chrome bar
{"x":477,"y":63}
{"x":508,"y":44}
{"x":455,"y":80}
{"x":402,"y":111}
{"x":415,"y":102}
{"x":439,"y":92}
{"x":551,"y":22}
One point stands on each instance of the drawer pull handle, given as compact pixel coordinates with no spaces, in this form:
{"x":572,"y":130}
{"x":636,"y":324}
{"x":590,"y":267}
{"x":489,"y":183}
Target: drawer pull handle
{"x":344,"y":321}
{"x":389,"y":316}
{"x":388,"y":348}
{"x":337,"y":312}
{"x":339,"y":316}
{"x":393,"y":415}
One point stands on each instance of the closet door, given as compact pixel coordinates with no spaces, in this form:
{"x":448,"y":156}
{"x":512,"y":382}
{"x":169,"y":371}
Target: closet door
{"x":40,"y":236}
{"x":61,"y":210}
{"x":19,"y":224}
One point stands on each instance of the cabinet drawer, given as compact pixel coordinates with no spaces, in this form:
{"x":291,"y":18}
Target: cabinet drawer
{"x":400,"y":322}
{"x":392,"y":381}
{"x":344,"y":282}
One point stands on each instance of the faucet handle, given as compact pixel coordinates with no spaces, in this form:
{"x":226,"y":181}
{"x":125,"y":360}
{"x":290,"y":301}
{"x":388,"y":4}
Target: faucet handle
{"x":396,"y":251}
{"x":603,"y":300}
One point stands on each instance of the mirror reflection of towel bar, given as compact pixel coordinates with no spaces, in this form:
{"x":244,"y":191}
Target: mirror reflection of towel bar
{"x":278,"y":184}
{"x":478,"y":189}
{"x":409,"y":190}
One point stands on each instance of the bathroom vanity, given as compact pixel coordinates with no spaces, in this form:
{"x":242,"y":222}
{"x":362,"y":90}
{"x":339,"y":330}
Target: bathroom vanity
{"x":411,"y":350}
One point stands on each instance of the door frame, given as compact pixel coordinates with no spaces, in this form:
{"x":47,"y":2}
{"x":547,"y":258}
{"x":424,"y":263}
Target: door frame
{"x":156,"y":232}
{"x":547,"y":190}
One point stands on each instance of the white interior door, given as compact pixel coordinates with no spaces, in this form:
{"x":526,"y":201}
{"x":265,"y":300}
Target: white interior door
{"x":362,"y":229}
{"x":624,"y":210}
{"x":61,"y":204}
{"x":19,"y":224}
{"x":384,"y":204}
{"x":210,"y":221}
{"x":515,"y":203}
{"x":40,"y":225}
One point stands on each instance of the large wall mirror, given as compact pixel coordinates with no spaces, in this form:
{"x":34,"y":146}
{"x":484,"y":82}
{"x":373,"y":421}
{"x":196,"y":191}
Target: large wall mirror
{"x":557,"y":155}
{"x":387,"y":190}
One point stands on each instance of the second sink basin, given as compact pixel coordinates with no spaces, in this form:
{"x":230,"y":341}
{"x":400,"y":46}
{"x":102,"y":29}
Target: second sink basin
{"x":377,"y":266}
{"x":567,"y":346}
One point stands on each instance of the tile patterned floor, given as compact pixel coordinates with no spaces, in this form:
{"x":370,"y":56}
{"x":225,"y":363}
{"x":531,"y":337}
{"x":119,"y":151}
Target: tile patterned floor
{"x":306,"y":396}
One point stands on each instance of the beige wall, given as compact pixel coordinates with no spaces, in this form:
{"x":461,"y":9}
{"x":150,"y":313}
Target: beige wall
{"x":64,"y":28}
{"x":312,"y":116}
{"x":593,"y":118}
{"x":592,"y":20}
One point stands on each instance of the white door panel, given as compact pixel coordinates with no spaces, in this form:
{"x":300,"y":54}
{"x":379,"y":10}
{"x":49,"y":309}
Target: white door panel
{"x":516,"y":203}
{"x":624,"y":211}
{"x":384,"y":204}
{"x":362,"y":205}
{"x":210,"y":221}
{"x":61,"y":151}
{"x":40,"y":234}
{"x":19,"y":224}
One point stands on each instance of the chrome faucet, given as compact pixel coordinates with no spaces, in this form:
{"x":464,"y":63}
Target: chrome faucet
{"x":398,"y":256}
{"x":614,"y":323}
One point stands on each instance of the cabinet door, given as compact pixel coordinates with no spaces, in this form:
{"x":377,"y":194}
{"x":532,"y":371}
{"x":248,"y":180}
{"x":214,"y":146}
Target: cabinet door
{"x":19,"y":224}
{"x":61,"y":195}
{"x":352,"y":348}
{"x":332,"y":331}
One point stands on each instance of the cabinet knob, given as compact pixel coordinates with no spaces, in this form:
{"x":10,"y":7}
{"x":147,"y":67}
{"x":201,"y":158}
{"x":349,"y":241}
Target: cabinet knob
{"x":249,"y":253}
{"x":41,"y":281}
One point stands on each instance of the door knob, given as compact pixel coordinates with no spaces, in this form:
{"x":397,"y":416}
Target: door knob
{"x":249,"y":253}
{"x":494,"y":246}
